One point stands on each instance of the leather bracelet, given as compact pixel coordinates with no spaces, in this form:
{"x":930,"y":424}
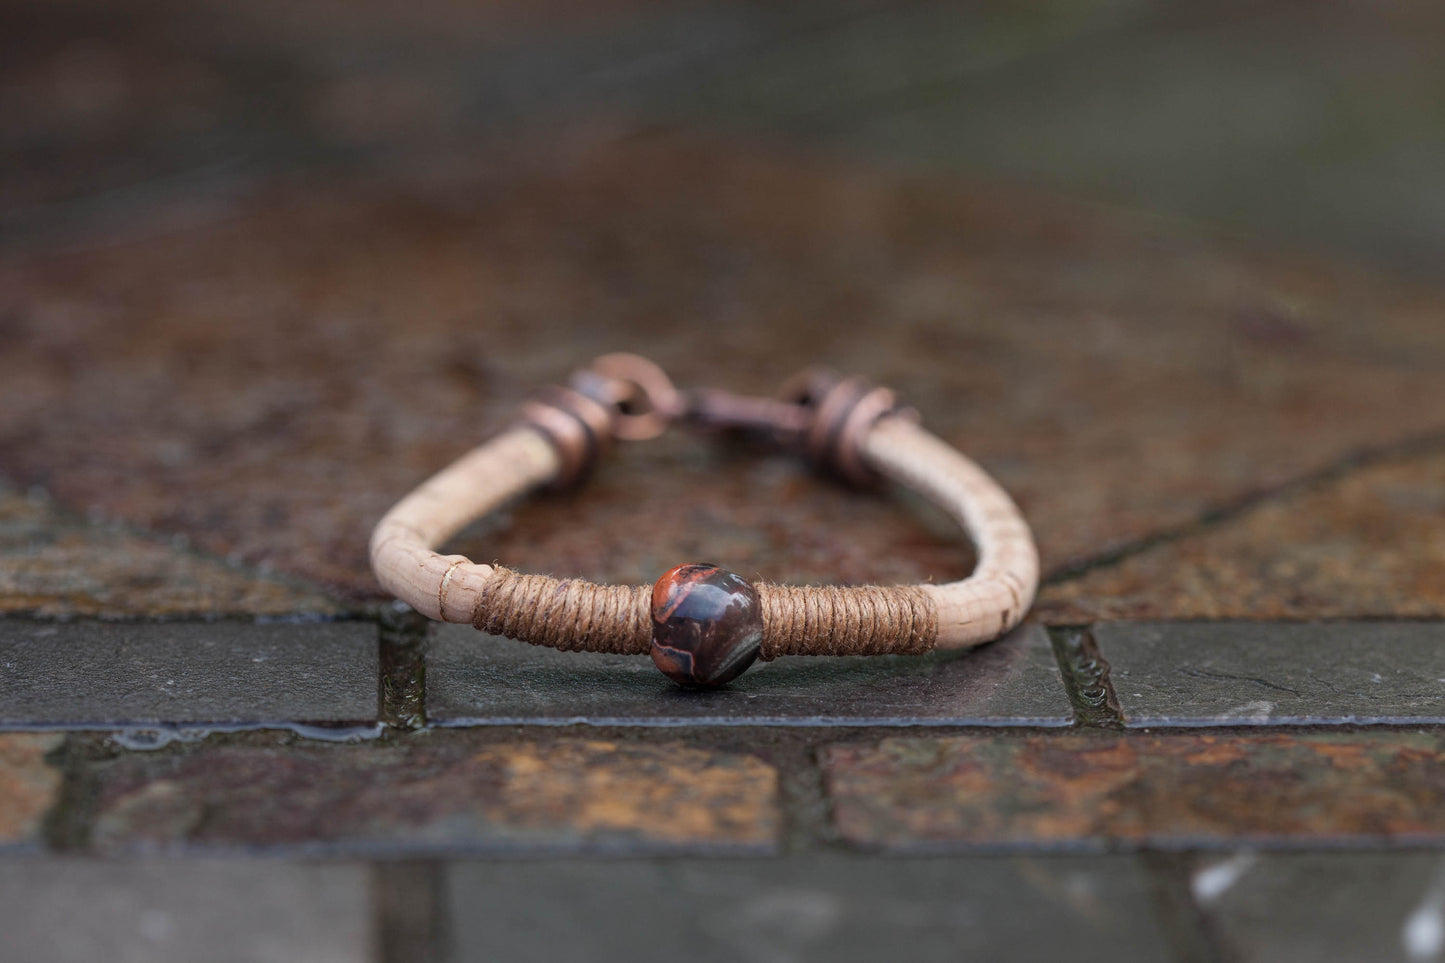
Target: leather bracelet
{"x":701,"y":624}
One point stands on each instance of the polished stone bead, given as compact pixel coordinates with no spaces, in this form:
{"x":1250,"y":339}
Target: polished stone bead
{"x":707,"y":625}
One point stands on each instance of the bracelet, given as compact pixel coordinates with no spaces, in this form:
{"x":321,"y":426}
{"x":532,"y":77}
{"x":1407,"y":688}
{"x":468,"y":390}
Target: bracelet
{"x":702,"y":624}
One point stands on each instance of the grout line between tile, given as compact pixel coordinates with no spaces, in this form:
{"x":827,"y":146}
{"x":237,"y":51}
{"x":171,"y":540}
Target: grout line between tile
{"x":409,"y":911}
{"x":401,"y":684}
{"x":1086,"y":678}
{"x":803,"y":804}
{"x":1183,"y":922}
{"x":67,"y":824}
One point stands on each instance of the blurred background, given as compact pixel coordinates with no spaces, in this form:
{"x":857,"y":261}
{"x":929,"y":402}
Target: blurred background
{"x":264,"y":265}
{"x":1169,"y":271}
{"x":1318,"y":124}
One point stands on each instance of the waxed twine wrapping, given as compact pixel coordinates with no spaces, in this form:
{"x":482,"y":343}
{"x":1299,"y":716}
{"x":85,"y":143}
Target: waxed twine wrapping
{"x":580,"y":616}
{"x":846,"y":620}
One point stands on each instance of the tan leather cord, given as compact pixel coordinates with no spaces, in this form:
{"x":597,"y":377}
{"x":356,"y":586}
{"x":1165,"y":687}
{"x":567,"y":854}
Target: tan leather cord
{"x":997,"y":595}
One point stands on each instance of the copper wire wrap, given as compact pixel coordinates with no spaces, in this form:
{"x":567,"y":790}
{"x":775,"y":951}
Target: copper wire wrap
{"x":579,"y":428}
{"x":843,"y":411}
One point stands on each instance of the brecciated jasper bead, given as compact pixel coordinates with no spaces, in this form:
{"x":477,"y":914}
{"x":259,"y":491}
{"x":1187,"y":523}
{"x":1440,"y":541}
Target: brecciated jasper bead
{"x":707,"y":625}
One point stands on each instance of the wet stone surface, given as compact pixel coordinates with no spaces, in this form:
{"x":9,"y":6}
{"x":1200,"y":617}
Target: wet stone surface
{"x":1302,"y":908}
{"x":1368,"y":544}
{"x":268,"y":383}
{"x":1055,"y":93}
{"x":1232,"y":673}
{"x":922,"y":794}
{"x":54,"y":565}
{"x":110,"y":113}
{"x":81,"y":674}
{"x":479,"y":679}
{"x":805,"y":909}
{"x":172,"y":911}
{"x":433,"y":793}
{"x":29,"y":787}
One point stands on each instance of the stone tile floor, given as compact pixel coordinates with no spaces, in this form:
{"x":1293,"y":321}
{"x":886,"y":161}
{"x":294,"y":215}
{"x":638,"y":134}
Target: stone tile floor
{"x":262,"y":267}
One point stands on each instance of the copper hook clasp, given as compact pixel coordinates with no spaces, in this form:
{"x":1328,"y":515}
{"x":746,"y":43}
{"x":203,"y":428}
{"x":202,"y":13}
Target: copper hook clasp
{"x":640,"y":395}
{"x":782,"y":422}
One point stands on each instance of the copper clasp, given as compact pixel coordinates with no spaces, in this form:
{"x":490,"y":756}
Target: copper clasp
{"x":817,"y":412}
{"x":643,"y":401}
{"x":640,"y":395}
{"x":783,"y":422}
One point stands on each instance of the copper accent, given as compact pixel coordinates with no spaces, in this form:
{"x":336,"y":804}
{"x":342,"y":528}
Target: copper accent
{"x":817,"y":411}
{"x":599,"y":419}
{"x":782,"y":422}
{"x":640,"y":393}
{"x":579,"y":428}
{"x":567,"y":436}
{"x":809,"y":385}
{"x":842,"y":411}
{"x":626,"y":396}
{"x":844,"y":416}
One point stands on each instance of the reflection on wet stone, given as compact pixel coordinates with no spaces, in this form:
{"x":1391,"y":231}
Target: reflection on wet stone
{"x":481,"y":679}
{"x":1304,"y":907}
{"x":172,"y":911}
{"x":840,"y":910}
{"x":1241,"y":673}
{"x":29,"y":786}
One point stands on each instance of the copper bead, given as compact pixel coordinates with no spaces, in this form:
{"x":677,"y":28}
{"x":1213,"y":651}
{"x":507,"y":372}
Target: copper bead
{"x":707,"y":625}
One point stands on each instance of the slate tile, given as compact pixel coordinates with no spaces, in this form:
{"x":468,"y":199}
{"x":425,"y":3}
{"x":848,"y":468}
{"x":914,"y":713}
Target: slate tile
{"x":55,"y":566}
{"x":104,"y":104}
{"x":1308,"y":907}
{"x":84,"y":674}
{"x":835,"y":80}
{"x":1112,"y":115}
{"x":173,"y":911}
{"x":124,"y":118}
{"x":29,"y":786}
{"x":480,"y":679}
{"x":974,"y":792}
{"x":1368,"y":544}
{"x":806,"y":908}
{"x":436,"y":794}
{"x":270,"y":383}
{"x":1232,"y":673}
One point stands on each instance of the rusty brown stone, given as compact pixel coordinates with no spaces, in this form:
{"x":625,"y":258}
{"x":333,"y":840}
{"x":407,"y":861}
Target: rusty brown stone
{"x":29,"y":786}
{"x":441,"y":793}
{"x":982,"y":791}
{"x":270,"y":384}
{"x":55,"y":566}
{"x":1370,"y":544}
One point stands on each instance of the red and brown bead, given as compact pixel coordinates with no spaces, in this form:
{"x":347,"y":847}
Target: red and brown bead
{"x":707,"y":625}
